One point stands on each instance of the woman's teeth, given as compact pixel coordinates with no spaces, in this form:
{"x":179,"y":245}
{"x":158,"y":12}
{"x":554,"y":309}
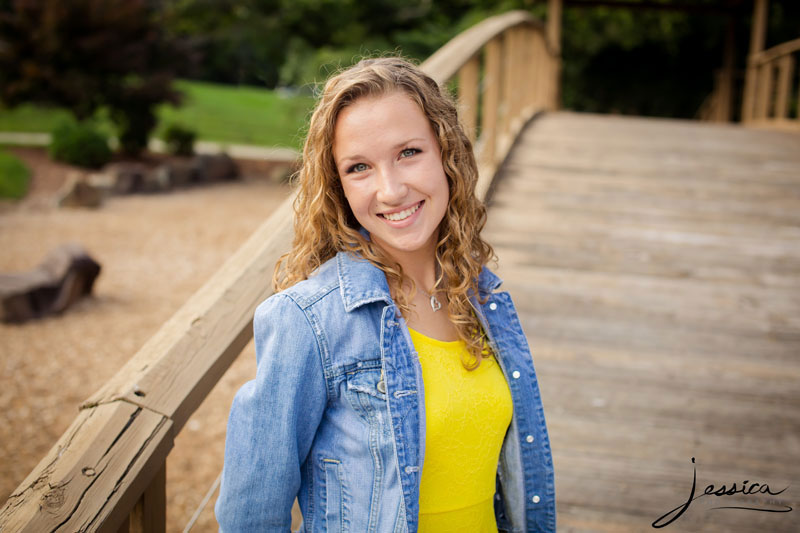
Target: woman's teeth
{"x":400,"y":215}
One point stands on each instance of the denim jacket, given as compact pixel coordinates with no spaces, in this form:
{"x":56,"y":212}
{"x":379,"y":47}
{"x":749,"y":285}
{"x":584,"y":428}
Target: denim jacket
{"x":336,"y":413}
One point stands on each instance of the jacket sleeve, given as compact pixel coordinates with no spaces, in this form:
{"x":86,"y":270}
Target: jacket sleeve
{"x":272,"y":422}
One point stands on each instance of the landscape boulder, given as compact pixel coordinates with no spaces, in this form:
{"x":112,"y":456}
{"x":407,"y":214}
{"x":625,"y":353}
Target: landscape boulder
{"x":216,"y":167}
{"x":78,"y":193}
{"x":65,"y":275}
{"x":127,"y":177}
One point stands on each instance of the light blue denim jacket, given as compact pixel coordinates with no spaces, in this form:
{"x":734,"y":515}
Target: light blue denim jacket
{"x":336,"y":413}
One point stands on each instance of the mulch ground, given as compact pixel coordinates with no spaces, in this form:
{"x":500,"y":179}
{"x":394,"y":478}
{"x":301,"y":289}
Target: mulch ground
{"x":156,"y":250}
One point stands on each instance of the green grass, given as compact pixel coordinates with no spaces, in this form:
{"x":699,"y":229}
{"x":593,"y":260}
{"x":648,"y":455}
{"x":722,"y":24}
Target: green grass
{"x":14,"y":176}
{"x":243,"y":115}
{"x":30,"y":119}
{"x":222,"y":113}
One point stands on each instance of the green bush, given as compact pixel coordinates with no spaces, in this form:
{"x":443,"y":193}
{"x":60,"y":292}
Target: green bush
{"x":14,"y":176}
{"x":79,"y":144}
{"x":180,"y":140}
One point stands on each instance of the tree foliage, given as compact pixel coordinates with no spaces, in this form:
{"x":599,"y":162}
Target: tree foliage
{"x":295,"y":42}
{"x":88,"y":54}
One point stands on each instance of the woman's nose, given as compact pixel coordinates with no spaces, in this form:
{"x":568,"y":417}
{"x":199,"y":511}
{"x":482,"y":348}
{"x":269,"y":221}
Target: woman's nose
{"x":392,"y":188}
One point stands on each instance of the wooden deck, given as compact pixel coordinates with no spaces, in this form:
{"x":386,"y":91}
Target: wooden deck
{"x":656,"y":268}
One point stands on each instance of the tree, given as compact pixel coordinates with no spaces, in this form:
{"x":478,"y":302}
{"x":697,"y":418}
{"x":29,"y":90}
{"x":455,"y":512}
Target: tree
{"x":89,"y":54}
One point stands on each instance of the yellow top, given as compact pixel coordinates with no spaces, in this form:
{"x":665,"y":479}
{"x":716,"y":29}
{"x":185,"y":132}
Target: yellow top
{"x":467,"y":414}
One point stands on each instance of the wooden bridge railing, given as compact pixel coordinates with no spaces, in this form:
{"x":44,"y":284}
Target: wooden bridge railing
{"x":771,"y":86}
{"x":107,"y":471}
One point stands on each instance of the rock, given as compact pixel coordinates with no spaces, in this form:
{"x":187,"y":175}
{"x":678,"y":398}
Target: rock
{"x":78,"y":193}
{"x":155,"y":181}
{"x":177,"y":172}
{"x":127,"y":177}
{"x":102,"y":181}
{"x":66,"y":275}
{"x":216,"y":167}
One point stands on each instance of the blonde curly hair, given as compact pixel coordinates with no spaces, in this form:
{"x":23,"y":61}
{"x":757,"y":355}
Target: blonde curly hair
{"x":324,"y":223}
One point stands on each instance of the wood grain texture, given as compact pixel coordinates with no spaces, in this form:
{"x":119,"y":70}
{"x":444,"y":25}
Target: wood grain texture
{"x":174,"y":371}
{"x":128,"y":446}
{"x":655,"y":265}
{"x":445,"y":62}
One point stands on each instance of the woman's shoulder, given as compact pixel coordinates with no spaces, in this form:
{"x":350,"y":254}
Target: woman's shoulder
{"x":304,"y":293}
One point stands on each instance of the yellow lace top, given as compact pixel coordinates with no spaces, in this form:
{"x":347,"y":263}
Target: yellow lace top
{"x":467,"y":414}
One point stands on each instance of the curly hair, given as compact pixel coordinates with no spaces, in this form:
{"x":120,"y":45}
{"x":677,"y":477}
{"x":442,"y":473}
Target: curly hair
{"x":324,"y":223}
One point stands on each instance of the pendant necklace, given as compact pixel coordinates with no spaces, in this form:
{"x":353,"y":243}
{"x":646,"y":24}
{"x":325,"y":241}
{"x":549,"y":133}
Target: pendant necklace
{"x":435,"y":303}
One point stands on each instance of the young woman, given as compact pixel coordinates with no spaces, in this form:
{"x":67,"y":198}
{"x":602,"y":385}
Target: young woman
{"x":395,"y":390}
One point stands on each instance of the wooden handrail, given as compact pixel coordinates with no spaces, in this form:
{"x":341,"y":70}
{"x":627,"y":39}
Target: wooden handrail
{"x":768,"y":88}
{"x":777,"y":51}
{"x":107,"y":471}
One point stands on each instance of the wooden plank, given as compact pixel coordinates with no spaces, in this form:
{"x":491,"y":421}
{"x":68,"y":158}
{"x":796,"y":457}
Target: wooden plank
{"x":785,"y":75}
{"x":468,"y":88}
{"x":94,"y":474}
{"x":174,"y":371}
{"x":491,"y":102}
{"x":554,"y":10}
{"x":764,"y":92}
{"x":777,"y":51}
{"x":758,"y":29}
{"x":757,"y":40}
{"x":446,"y":61}
{"x":655,"y":266}
{"x":149,"y":515}
{"x":506,"y":92}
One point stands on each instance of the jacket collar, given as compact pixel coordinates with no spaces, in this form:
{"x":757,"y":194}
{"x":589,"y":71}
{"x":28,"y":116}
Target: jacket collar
{"x":361,"y":282}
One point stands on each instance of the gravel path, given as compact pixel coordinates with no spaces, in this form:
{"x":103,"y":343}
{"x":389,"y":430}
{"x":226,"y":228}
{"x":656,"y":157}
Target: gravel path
{"x":155,"y":252}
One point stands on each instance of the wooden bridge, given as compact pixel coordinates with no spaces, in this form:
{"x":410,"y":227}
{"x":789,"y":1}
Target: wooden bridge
{"x":656,"y":268}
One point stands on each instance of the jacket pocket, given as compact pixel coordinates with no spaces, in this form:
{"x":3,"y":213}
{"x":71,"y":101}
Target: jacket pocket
{"x":366,"y":393}
{"x":333,"y":502}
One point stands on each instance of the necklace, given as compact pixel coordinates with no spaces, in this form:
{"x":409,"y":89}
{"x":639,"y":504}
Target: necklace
{"x":435,"y":303}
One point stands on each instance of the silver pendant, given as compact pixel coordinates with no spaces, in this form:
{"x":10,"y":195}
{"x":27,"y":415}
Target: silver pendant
{"x":435,"y":304}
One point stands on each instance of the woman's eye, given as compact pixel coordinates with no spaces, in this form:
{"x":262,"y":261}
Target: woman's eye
{"x":358,"y":167}
{"x":408,"y":152}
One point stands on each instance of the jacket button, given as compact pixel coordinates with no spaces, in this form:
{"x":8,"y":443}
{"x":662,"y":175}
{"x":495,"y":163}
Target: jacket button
{"x":535,"y":499}
{"x":381,"y":386}
{"x":529,"y":438}
{"x":515,"y":373}
{"x":492,"y":306}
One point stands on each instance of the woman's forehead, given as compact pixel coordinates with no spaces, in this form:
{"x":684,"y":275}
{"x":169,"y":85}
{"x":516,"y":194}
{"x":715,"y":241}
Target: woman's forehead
{"x":384,"y":120}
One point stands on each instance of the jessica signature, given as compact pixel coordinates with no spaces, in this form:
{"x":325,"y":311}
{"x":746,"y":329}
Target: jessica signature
{"x":746,"y":488}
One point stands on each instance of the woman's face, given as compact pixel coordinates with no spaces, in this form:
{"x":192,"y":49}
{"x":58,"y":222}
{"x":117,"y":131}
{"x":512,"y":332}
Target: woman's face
{"x":390,"y":164}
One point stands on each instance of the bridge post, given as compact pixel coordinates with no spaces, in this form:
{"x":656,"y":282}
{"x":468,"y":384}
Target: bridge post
{"x":757,"y":40}
{"x":468,"y":89}
{"x":785,"y":77}
{"x":554,"y":16}
{"x":491,"y":100}
{"x":723,"y":108}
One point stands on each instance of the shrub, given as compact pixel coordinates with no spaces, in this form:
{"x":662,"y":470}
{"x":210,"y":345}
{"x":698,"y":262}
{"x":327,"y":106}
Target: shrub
{"x":180,"y":140}
{"x":14,"y":176}
{"x":79,"y":144}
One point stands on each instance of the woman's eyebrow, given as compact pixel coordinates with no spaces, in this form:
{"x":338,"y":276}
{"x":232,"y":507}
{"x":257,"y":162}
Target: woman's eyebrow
{"x":409,"y":141}
{"x":347,"y":159}
{"x":341,"y":161}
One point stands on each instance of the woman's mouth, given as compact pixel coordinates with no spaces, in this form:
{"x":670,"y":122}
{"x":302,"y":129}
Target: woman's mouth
{"x":402,"y":215}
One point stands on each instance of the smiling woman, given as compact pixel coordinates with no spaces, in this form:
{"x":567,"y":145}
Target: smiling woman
{"x":390,"y":166}
{"x":389,"y":371}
